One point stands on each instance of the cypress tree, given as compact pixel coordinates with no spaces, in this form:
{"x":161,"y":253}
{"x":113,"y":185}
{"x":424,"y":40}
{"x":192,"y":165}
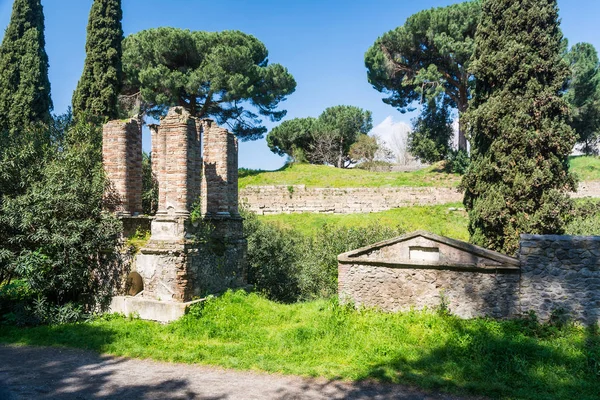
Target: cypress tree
{"x":24,"y":84}
{"x":100,"y":84}
{"x":518,"y":121}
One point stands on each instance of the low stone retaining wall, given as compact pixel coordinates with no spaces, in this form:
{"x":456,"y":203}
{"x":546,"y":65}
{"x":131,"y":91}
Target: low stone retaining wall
{"x":553,"y":275}
{"x":298,"y":199}
{"x":282,"y":199}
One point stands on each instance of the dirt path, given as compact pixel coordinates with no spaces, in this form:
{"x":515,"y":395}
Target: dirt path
{"x":53,"y":373}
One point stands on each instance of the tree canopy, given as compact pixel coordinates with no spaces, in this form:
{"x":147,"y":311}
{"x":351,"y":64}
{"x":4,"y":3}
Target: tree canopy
{"x":431,"y":134}
{"x":583,"y":95}
{"x":427,"y":56}
{"x":100,"y":84}
{"x":211,"y":74}
{"x":24,"y":85}
{"x":518,"y":124}
{"x":323,"y":140}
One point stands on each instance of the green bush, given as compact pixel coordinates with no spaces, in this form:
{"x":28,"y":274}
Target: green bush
{"x":60,"y":239}
{"x":586,"y":219}
{"x":273,"y":255}
{"x":287,"y":266}
{"x":457,"y":162}
{"x":318,"y":262}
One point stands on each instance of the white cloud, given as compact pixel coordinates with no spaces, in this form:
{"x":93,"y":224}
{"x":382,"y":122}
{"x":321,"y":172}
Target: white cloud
{"x":388,"y":128}
{"x":394,"y":136}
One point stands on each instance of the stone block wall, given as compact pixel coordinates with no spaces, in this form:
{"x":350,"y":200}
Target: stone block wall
{"x":281,"y":199}
{"x":122,"y":160}
{"x":467,"y":294}
{"x":561,"y":273}
{"x":220,"y":171}
{"x":286,"y":199}
{"x":553,"y":275}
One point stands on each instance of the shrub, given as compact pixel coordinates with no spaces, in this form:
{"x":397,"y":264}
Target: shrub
{"x":288,"y":267}
{"x":273,"y":255}
{"x":457,"y":162}
{"x":62,"y":241}
{"x":319,"y":265}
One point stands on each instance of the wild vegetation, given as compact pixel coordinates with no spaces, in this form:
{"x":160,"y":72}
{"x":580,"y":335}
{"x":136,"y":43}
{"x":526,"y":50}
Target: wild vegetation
{"x":24,"y":84}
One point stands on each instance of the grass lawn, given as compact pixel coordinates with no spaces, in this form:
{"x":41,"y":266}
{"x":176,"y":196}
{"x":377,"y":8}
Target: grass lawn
{"x":586,"y":168}
{"x":506,"y":360}
{"x":323,"y":176}
{"x":447,"y":220}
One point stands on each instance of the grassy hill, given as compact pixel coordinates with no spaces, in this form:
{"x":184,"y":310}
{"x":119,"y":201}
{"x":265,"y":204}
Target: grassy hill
{"x":324,"y":176}
{"x":586,"y":168}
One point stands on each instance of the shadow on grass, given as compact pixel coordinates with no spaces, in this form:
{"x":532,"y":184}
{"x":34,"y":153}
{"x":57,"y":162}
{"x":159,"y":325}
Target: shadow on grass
{"x":518,"y":359}
{"x":60,"y":373}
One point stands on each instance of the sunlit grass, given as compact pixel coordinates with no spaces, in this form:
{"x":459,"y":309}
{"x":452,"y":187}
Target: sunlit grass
{"x":500,"y":359}
{"x":447,"y":220}
{"x":324,"y":176}
{"x":586,"y":168}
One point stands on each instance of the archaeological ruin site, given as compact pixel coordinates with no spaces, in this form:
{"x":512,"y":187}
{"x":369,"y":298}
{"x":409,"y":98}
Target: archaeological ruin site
{"x":185,"y":258}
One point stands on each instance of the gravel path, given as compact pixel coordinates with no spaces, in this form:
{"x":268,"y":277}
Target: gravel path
{"x":55,"y":373}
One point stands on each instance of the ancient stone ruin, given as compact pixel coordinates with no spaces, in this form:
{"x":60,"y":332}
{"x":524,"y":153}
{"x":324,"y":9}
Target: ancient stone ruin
{"x":184,"y":259}
{"x":551,"y":276}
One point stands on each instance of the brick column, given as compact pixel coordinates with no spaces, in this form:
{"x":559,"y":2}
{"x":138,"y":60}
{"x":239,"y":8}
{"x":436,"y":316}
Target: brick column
{"x":178,"y":150}
{"x":159,"y":149}
{"x":219,"y":173}
{"x":122,"y":160}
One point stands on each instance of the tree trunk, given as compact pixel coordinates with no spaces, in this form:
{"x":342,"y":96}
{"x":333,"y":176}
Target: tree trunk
{"x":462,"y":107}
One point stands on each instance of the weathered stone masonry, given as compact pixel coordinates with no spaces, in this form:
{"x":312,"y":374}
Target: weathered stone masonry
{"x":286,"y":199}
{"x":561,"y":273}
{"x":551,"y":274}
{"x":183,"y":259}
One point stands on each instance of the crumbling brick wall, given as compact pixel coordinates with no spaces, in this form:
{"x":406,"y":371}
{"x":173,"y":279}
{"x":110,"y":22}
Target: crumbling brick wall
{"x":177,"y":162}
{"x":220,"y":172}
{"x":122,"y":160}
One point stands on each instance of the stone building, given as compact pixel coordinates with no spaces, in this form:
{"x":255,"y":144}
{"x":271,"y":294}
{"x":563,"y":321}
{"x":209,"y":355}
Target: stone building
{"x":195,"y":164}
{"x":551,"y":275}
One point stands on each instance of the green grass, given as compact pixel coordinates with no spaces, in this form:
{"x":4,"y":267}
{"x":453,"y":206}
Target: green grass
{"x":447,"y":220}
{"x":323,"y":176}
{"x":585,"y":167}
{"x":507,"y":360}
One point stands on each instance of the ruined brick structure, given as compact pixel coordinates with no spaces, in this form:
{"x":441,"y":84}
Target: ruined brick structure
{"x":122,"y":157}
{"x":184,"y":259}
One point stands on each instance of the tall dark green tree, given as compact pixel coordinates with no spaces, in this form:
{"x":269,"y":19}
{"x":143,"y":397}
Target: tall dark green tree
{"x":583,"y":95}
{"x":100,"y":84}
{"x":24,"y":85}
{"x":519,"y":179}
{"x":427,"y":56}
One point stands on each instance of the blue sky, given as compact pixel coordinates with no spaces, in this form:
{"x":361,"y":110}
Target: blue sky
{"x":321,"y":42}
